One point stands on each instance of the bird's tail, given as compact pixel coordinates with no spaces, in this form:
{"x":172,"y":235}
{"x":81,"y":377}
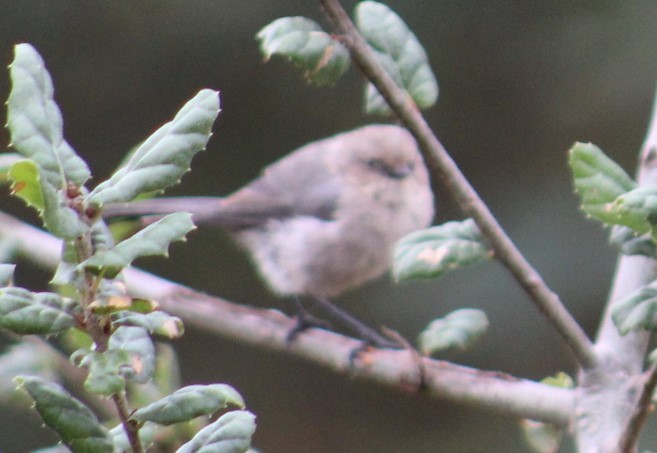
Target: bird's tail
{"x":202,"y":208}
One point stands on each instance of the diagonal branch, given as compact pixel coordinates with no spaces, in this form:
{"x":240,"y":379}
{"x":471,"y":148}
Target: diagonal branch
{"x":493,"y":391}
{"x":444,"y":169}
{"x":635,"y":424}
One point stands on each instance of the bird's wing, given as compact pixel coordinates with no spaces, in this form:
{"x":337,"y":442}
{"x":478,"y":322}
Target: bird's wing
{"x":299,"y":184}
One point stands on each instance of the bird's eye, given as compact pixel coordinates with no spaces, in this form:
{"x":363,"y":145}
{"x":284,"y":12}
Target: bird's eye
{"x":398,"y":171}
{"x":377,"y":165}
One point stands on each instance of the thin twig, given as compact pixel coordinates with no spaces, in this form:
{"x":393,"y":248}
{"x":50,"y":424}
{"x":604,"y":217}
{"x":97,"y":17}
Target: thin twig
{"x":92,"y":324}
{"x":443,"y":168}
{"x":130,"y":428}
{"x":638,"y":419}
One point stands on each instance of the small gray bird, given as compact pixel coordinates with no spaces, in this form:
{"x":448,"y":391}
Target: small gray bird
{"x":325,"y":218}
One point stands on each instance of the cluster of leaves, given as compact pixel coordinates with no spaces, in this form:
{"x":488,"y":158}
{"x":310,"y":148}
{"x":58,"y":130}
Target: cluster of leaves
{"x":324,"y":59}
{"x":119,"y":350}
{"x":611,"y":196}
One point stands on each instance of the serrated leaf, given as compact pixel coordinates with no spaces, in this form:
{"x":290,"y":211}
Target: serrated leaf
{"x":188,"y":403}
{"x":24,"y":312}
{"x":458,"y":330}
{"x":74,"y":422}
{"x":389,"y":36}
{"x":231,"y":433}
{"x":631,"y":243}
{"x":105,"y":370}
{"x":166,"y":155}
{"x":637,"y":210}
{"x":35,"y":125}
{"x":157,"y":323}
{"x":35,"y":121}
{"x":26,"y":183}
{"x":322,"y":59}
{"x":6,"y":273}
{"x":431,"y":252}
{"x":130,"y":355}
{"x":637,"y":311}
{"x":598,"y":180}
{"x":152,"y":240}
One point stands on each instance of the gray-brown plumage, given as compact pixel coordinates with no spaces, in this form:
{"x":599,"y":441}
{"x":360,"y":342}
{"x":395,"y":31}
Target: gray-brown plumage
{"x":325,"y":218}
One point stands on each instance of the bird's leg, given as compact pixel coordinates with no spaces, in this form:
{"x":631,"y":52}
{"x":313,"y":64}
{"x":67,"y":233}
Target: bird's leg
{"x":370,"y":336}
{"x":305,"y":320}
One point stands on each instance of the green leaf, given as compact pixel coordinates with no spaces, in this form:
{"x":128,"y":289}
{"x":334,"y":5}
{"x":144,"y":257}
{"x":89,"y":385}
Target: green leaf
{"x":130,"y":355}
{"x":74,"y":422}
{"x":652,"y":358}
{"x":36,"y":128}
{"x":598,"y":180}
{"x":152,"y":240}
{"x":157,"y":323}
{"x":24,"y":312}
{"x":637,"y":311}
{"x":105,"y":370}
{"x":401,"y":54}
{"x":637,"y":210}
{"x":166,"y":155}
{"x":26,"y":183}
{"x":188,"y":403}
{"x":36,"y":124}
{"x":541,"y":437}
{"x":138,"y":344}
{"x":458,"y":330}
{"x":431,"y":252}
{"x":118,"y":303}
{"x":231,"y":433}
{"x":6,"y":273}
{"x":561,"y":380}
{"x":630,"y":243}
{"x":7,"y":160}
{"x":322,"y":59}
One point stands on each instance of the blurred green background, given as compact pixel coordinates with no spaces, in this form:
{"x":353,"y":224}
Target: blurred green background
{"x":519,"y":83}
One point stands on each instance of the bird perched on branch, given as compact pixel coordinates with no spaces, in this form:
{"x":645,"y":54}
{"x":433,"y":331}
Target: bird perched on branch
{"x":323,"y":219}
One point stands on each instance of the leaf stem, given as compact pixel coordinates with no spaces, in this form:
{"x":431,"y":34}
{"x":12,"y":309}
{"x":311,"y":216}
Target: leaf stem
{"x":94,"y":326}
{"x":443,"y":168}
{"x":131,"y":428}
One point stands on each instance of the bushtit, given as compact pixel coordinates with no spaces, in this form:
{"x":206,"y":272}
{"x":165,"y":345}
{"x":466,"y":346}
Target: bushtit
{"x":326,"y":217}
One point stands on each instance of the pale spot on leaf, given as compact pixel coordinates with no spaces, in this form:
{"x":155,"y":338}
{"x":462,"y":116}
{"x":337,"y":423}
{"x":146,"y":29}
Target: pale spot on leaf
{"x":433,"y":256}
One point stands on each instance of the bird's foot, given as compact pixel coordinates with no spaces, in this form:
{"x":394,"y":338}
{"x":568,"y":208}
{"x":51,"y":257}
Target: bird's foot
{"x":305,"y":320}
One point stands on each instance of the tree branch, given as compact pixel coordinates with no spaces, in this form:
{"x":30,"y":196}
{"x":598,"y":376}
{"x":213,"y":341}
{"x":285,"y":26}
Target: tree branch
{"x":269,"y":329}
{"x":444,"y":169}
{"x":608,"y":394}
